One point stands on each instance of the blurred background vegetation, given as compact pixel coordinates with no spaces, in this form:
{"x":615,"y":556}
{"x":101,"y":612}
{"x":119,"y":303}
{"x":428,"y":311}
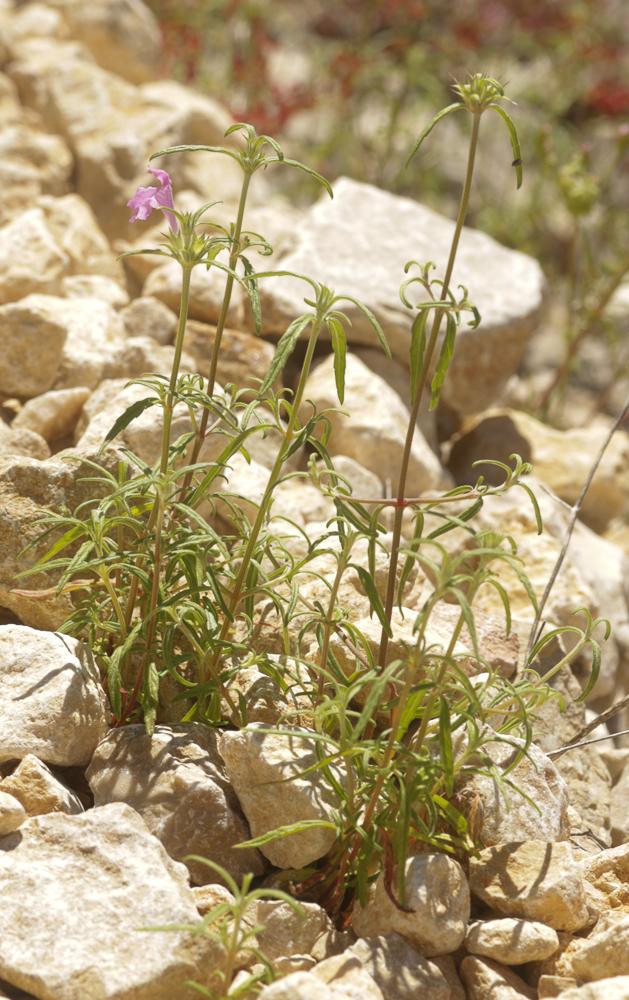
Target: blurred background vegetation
{"x":347,"y":85}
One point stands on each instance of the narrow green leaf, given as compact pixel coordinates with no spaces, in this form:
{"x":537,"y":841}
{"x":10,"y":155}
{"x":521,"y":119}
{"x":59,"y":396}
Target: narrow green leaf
{"x":195,"y":149}
{"x":150,"y":698}
{"x":251,"y":284}
{"x":515,"y":142}
{"x":339,"y":346}
{"x":374,"y":597}
{"x":445,"y":742}
{"x":445,"y":357}
{"x":373,"y":322}
{"x":435,"y":121}
{"x":284,"y":349}
{"x":308,"y":170}
{"x":287,"y":831}
{"x":418,"y":350}
{"x":131,"y":413}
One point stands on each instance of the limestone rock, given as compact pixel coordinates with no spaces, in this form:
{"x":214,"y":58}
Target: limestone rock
{"x":12,"y":813}
{"x":54,"y":414}
{"x":242,"y":360}
{"x":51,"y":701}
{"x":27,"y":486}
{"x":21,"y":441}
{"x":75,"y":228}
{"x":356,"y":984}
{"x":258,"y":762}
{"x":32,"y":163}
{"x":400,"y":971}
{"x":438,"y":897}
{"x":110,"y":125}
{"x":532,"y":879}
{"x":554,"y":986}
{"x":148,"y":317}
{"x":605,"y":952}
{"x":511,"y":941}
{"x":122,"y":36}
{"x":175,"y":780}
{"x":95,"y":286}
{"x":505,"y":286}
{"x":30,"y":258}
{"x":543,"y":813}
{"x":620,"y":810}
{"x":69,"y":882}
{"x":143,"y":436}
{"x":606,"y":880}
{"x":286,"y":931}
{"x":484,"y":978}
{"x":206,"y":292}
{"x":93,"y":342}
{"x":561,"y":459}
{"x":39,"y":791}
{"x":372,"y":427}
{"x":32,"y":340}
{"x":589,"y":791}
{"x":615,"y":988}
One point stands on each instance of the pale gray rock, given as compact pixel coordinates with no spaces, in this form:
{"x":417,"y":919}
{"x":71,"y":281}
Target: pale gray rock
{"x":21,"y":441}
{"x":122,"y":36}
{"x":371,"y":426}
{"x":361,"y":481}
{"x":605,"y":951}
{"x":356,"y":984}
{"x":36,"y":787}
{"x":75,"y":228}
{"x":206,"y":292}
{"x":287,"y":931}
{"x":541,"y":812}
{"x":26,"y":487}
{"x":32,"y":163}
{"x":32,"y":344}
{"x":614,"y":988}
{"x":615,"y":759}
{"x":51,"y":701}
{"x":258,"y":763}
{"x":511,"y":941}
{"x":30,"y":258}
{"x":12,"y":813}
{"x":93,"y":343}
{"x":484,"y":978}
{"x":400,"y":971}
{"x":175,"y":780}
{"x":561,"y":458}
{"x":149,"y":317}
{"x":111,"y":126}
{"x":553,"y":986}
{"x":95,"y":286}
{"x":438,"y":897}
{"x":243,"y":357}
{"x":506,"y":286}
{"x":532,"y":879}
{"x":69,"y":883}
{"x":606,"y":880}
{"x":620,"y":810}
{"x":53,"y":414}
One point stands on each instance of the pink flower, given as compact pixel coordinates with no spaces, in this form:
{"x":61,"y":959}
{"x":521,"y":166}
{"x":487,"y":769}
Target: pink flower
{"x":146,"y":199}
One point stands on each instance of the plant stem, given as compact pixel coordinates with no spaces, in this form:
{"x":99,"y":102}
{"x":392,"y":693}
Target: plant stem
{"x":430,"y":350}
{"x":265,"y":502}
{"x":156,"y":518}
{"x":220,"y":326}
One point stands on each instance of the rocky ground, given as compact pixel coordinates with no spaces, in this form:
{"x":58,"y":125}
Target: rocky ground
{"x":95,"y":822}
